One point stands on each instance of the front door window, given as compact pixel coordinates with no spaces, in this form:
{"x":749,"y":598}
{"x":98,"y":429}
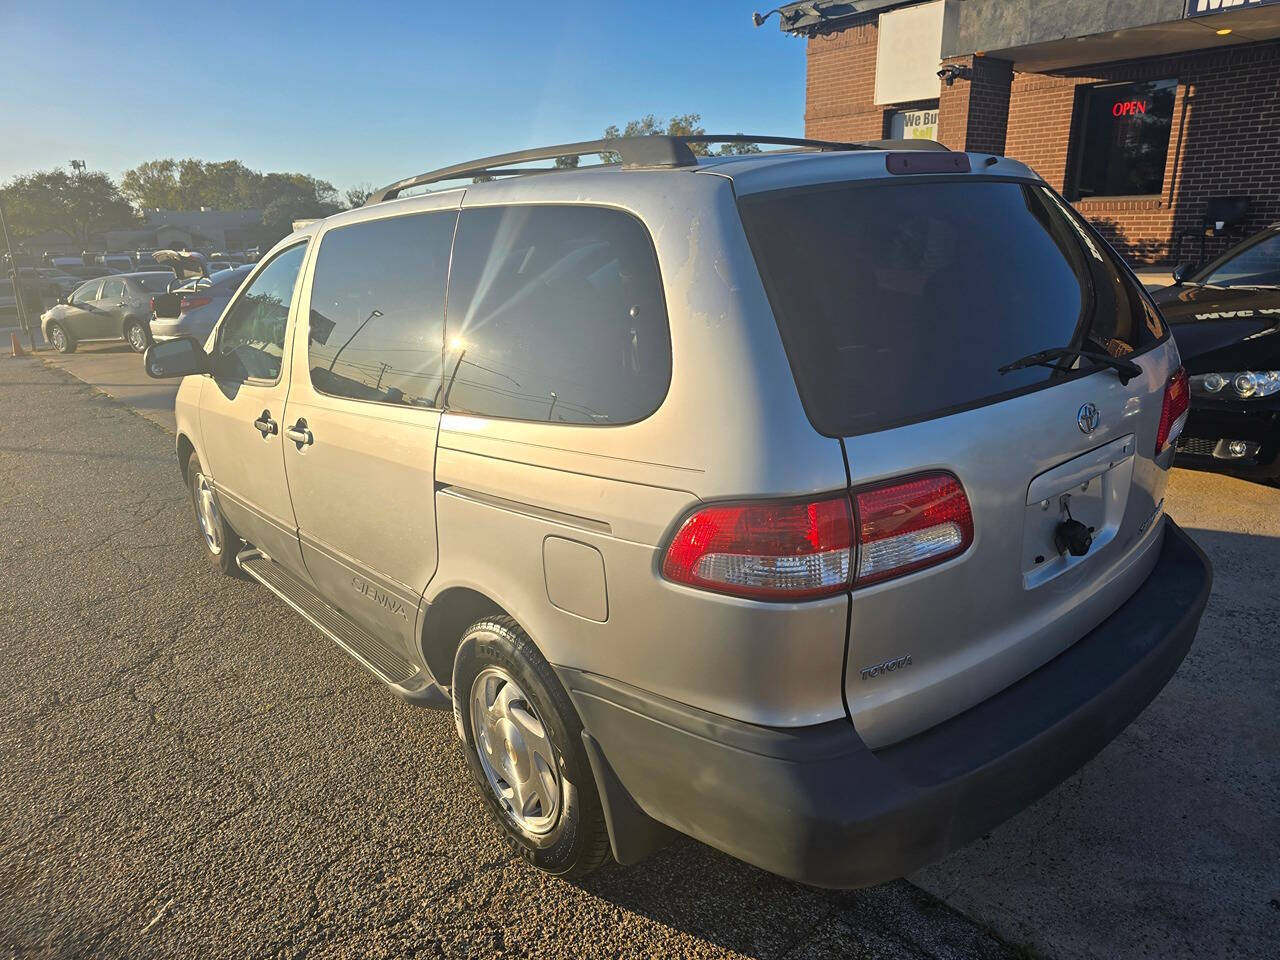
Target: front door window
{"x":250,"y":344}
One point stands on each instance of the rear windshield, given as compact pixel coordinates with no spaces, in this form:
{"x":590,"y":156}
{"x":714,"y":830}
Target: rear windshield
{"x":898,"y":300}
{"x":155,"y":282}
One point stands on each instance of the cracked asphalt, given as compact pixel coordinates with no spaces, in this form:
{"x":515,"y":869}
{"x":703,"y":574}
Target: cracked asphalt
{"x":191,"y":770}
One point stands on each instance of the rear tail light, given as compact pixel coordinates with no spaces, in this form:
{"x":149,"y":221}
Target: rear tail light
{"x":153,"y":304}
{"x":908,"y":525}
{"x":193,"y":303}
{"x":1173,"y":412}
{"x":765,"y":551}
{"x":797,"y":550}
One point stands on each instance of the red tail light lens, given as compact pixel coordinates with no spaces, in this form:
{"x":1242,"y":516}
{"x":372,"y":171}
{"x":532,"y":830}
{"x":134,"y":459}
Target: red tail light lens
{"x":193,"y":303}
{"x":1173,"y":413}
{"x":792,"y":550}
{"x":908,"y":525}
{"x":765,"y":551}
{"x":153,"y":304}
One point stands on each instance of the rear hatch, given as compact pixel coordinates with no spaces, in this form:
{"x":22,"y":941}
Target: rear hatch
{"x":898,"y":300}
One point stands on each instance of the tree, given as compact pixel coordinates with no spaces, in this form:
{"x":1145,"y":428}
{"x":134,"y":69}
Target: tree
{"x":219,"y":185}
{"x":278,"y":217}
{"x":152,"y":184}
{"x":81,"y":206}
{"x":684,"y":125}
{"x":356,"y":195}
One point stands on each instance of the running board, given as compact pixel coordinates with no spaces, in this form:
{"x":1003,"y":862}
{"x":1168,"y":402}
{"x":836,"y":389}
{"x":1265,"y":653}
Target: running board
{"x":388,"y":665}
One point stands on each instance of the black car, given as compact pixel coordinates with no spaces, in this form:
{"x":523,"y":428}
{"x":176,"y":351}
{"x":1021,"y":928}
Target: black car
{"x":1225,"y":318}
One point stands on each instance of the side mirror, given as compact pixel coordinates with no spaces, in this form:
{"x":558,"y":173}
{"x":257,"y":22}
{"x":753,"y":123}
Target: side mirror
{"x":181,"y":357}
{"x":1181,"y":272}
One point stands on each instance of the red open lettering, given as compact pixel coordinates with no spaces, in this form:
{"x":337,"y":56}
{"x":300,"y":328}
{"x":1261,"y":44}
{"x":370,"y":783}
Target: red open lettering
{"x":1127,"y":108}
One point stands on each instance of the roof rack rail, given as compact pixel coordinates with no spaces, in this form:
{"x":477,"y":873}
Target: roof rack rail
{"x":642,"y":151}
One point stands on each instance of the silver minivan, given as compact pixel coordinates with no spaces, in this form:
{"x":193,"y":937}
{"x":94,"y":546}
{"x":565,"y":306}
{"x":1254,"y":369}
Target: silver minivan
{"x":809,"y":503}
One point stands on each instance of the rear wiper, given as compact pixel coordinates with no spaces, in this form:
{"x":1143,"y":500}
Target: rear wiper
{"x":1125,"y":369}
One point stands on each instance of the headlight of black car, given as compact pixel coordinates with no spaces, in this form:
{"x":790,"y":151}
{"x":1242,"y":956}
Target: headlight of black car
{"x":1244,"y":385}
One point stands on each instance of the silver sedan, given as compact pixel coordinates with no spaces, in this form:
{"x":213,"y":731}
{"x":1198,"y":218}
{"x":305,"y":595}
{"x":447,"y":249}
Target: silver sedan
{"x":197,"y":306}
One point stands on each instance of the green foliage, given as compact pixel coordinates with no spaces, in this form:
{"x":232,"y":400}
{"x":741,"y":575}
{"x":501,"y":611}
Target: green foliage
{"x":686,"y":125}
{"x":358,"y":194}
{"x":225,"y":185}
{"x":77,"y":205}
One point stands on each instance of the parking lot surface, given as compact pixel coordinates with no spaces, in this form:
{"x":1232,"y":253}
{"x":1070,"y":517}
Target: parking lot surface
{"x":191,"y":770}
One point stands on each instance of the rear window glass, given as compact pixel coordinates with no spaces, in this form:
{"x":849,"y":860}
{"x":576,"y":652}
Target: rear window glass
{"x":898,"y":301}
{"x":556,"y":313}
{"x":155,"y":282}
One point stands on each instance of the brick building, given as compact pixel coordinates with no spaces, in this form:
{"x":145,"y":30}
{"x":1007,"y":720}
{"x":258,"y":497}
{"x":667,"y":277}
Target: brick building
{"x":1149,"y":115}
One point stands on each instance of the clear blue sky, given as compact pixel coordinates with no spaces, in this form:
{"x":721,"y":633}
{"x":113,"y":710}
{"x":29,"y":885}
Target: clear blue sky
{"x":356,"y":92}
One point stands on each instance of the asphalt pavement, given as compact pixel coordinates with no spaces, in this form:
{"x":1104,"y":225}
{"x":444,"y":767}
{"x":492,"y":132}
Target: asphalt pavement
{"x":191,"y":770}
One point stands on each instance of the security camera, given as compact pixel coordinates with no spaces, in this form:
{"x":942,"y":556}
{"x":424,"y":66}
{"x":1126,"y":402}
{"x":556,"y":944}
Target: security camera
{"x":953,"y":72}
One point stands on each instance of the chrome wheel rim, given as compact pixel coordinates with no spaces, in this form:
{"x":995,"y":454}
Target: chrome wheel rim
{"x":137,"y":339}
{"x":207,"y":514}
{"x":515,"y":752}
{"x":59,"y":338}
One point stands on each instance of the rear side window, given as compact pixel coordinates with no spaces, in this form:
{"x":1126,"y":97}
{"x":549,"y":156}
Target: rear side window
{"x":556,"y":314}
{"x":377,"y":309}
{"x":112,"y":290}
{"x":899,"y":300}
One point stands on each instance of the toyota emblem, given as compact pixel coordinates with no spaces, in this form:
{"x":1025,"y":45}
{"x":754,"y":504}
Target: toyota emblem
{"x":1088,"y":417}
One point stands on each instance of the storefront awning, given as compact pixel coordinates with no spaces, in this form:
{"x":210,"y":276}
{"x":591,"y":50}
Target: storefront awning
{"x":1245,"y":23}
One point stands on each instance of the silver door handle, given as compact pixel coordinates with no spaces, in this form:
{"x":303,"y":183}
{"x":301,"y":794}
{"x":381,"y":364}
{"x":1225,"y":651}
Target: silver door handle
{"x":299,"y":434}
{"x":266,"y":425}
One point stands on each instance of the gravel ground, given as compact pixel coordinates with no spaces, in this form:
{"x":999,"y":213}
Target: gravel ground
{"x":190,"y":770}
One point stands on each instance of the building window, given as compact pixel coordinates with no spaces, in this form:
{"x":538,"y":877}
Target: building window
{"x":1122,"y":138}
{"x":919,"y":124}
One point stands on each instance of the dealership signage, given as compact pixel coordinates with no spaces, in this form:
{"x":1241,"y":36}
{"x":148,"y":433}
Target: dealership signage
{"x":914,"y":125}
{"x":1202,"y":8}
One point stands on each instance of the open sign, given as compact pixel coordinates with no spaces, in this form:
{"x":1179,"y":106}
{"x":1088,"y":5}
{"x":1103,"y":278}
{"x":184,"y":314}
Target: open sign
{"x":1128,"y":108}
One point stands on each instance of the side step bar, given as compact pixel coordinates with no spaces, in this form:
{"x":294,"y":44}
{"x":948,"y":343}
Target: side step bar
{"x":388,"y":665}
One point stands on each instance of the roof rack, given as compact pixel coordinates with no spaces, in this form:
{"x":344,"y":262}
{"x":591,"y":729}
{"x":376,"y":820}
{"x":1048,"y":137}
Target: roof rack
{"x":642,"y":151}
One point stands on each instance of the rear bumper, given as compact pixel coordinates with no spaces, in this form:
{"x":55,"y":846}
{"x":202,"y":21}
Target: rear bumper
{"x":168,"y":328}
{"x":816,"y":805}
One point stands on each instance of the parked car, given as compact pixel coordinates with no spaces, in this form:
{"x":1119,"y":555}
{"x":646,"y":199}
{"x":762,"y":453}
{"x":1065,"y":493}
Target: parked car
{"x":1226,"y":319}
{"x":810,"y":504}
{"x":116,"y":261}
{"x":192,"y":309}
{"x":112,"y":308}
{"x":59,"y":280}
{"x":86,"y":272}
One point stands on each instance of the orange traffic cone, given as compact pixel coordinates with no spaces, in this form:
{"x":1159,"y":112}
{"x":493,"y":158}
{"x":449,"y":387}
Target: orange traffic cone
{"x":15,"y":347}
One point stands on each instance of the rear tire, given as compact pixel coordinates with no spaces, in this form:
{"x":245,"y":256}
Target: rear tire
{"x":547,"y":806}
{"x":60,"y":339}
{"x":137,"y":336}
{"x":220,"y":542}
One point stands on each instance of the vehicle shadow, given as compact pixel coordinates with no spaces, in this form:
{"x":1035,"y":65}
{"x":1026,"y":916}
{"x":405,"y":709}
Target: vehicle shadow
{"x":690,"y":887}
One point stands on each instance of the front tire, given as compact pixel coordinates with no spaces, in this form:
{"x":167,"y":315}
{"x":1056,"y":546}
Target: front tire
{"x":137,"y":336}
{"x":61,"y":340}
{"x":524,"y":750}
{"x":220,"y":542}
